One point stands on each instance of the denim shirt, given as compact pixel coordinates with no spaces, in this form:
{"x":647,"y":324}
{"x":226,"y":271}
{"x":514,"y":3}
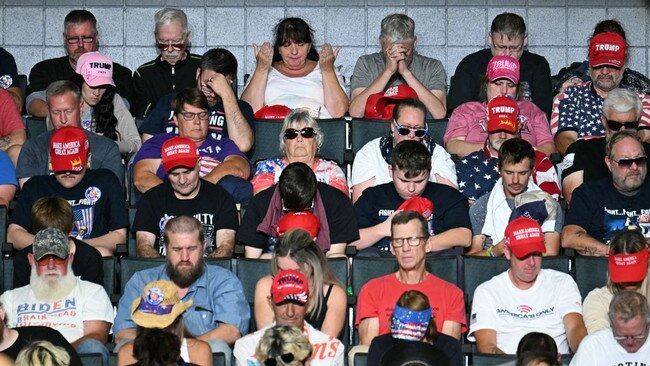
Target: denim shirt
{"x":218,"y":300}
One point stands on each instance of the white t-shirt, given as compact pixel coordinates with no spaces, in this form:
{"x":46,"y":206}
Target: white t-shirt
{"x":328,"y":351}
{"x":601,"y":348}
{"x":513,"y":313}
{"x":299,"y":92}
{"x":87,"y":301}
{"x":369,"y":163}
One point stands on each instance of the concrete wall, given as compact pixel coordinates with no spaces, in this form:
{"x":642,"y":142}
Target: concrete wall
{"x":446,"y":30}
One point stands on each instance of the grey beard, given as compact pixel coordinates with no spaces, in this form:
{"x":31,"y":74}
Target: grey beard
{"x":46,"y":291}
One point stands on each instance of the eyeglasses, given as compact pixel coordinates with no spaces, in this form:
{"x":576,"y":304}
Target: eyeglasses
{"x":627,"y":163}
{"x":163,"y":46}
{"x":286,"y":358}
{"x":190,"y":115}
{"x":84,"y":39}
{"x":501,"y":47}
{"x":413,"y":241}
{"x":634,"y":337}
{"x":292,"y":133}
{"x":405,"y":130}
{"x":45,"y":261}
{"x":616,"y":125}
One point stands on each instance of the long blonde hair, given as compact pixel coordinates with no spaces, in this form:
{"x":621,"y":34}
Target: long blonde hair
{"x":281,"y":340}
{"x":298,"y":245}
{"x":43,"y":353}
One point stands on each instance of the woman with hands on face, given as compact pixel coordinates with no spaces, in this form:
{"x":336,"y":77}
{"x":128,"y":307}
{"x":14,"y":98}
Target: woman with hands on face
{"x":290,"y":72}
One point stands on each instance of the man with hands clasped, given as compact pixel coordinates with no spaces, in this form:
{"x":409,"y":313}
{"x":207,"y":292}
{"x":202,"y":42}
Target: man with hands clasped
{"x":292,"y":73}
{"x":399,"y":63}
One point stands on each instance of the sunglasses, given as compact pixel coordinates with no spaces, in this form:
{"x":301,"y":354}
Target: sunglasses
{"x":405,"y":131}
{"x":286,"y":358}
{"x":627,"y":163}
{"x":175,"y":46}
{"x":45,"y":261}
{"x":292,"y":133}
{"x":616,"y":125}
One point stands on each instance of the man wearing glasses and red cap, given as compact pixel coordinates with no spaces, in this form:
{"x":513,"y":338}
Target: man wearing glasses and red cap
{"x":576,"y":111}
{"x":372,"y":163}
{"x":600,"y":208}
{"x":173,"y":70}
{"x":584,"y":160}
{"x":525,"y":297}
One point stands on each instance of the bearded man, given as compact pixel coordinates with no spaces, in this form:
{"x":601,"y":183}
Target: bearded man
{"x":220,"y":313}
{"x":80,"y":310}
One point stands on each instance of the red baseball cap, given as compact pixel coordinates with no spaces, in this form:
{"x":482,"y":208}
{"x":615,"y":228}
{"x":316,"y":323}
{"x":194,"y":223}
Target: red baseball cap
{"x":380,"y":105}
{"x":502,"y":113}
{"x":631,"y":267}
{"x":179,"y":151}
{"x":503,"y":67}
{"x":607,"y":49}
{"x":524,"y":236}
{"x":299,"y":220}
{"x":276,"y":111}
{"x":69,"y":149}
{"x":419,"y":204}
{"x":290,"y":285}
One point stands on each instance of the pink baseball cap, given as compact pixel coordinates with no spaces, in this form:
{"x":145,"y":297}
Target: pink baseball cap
{"x":96,"y":69}
{"x":503,"y":67}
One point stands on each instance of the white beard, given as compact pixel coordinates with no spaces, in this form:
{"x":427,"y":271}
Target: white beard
{"x":52,"y":289}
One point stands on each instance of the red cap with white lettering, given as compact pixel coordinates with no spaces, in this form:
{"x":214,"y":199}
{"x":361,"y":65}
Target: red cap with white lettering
{"x":524,"y":236}
{"x":502,"y":114}
{"x":607,"y":49}
{"x":68,"y":149}
{"x":179,"y":151}
{"x":503,"y":67}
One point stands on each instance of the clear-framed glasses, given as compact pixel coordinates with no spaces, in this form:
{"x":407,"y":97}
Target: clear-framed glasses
{"x":405,"y":130}
{"x":639,"y":337}
{"x":503,"y":48}
{"x":190,"y":115}
{"x":413,"y":241}
{"x":83,"y":39}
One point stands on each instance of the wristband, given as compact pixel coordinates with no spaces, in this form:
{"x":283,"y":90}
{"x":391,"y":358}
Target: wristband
{"x":488,"y":252}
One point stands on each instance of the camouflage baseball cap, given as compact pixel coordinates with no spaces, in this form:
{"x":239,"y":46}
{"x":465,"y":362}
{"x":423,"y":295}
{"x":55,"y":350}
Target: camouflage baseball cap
{"x":50,"y":241}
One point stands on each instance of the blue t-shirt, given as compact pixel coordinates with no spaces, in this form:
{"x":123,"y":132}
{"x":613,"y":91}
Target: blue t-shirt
{"x":218,"y":300}
{"x":160,"y":120}
{"x":7,"y":170}
{"x":376,"y":204}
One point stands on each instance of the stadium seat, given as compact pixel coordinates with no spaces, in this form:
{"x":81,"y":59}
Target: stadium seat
{"x":590,"y":273}
{"x":130,"y":265}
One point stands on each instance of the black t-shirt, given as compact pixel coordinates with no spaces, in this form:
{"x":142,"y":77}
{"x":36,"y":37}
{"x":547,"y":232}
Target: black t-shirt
{"x":87,"y":263}
{"x":447,"y":344}
{"x":48,"y":71}
{"x":160,"y":120}
{"x":466,"y":83}
{"x":97,"y":202}
{"x":213,"y":206}
{"x":589,"y":156}
{"x":377,"y":203}
{"x":28,"y":335}
{"x":601,"y":210}
{"x":338,"y":209}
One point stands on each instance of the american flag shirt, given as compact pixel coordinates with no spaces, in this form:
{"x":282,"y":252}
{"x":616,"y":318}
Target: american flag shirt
{"x":478,"y":172}
{"x":579,"y":109}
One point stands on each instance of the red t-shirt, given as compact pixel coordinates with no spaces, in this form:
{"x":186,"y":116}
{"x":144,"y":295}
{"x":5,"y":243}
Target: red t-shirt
{"x":379,"y":296}
{"x":10,"y":118}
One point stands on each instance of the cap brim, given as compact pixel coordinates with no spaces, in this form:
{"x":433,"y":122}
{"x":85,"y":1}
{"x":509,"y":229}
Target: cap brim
{"x":99,"y":81}
{"x":188,"y":163}
{"x":513,"y":80}
{"x":62,"y":164}
{"x":521,"y":251}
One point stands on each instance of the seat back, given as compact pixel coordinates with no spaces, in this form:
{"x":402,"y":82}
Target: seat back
{"x":360,"y":359}
{"x":35,"y":126}
{"x":7,"y":272}
{"x":340,"y":268}
{"x":219,"y":359}
{"x":21,"y":82}
{"x":221,"y":262}
{"x":91,"y":359}
{"x":131,"y":242}
{"x":334,"y":142}
{"x":437,"y":128}
{"x":266,"y":145}
{"x":3,"y":224}
{"x":130,"y":265}
{"x":249,"y":271}
{"x":493,"y":360}
{"x":364,"y":130}
{"x":590,"y":273}
{"x":109,"y":275}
